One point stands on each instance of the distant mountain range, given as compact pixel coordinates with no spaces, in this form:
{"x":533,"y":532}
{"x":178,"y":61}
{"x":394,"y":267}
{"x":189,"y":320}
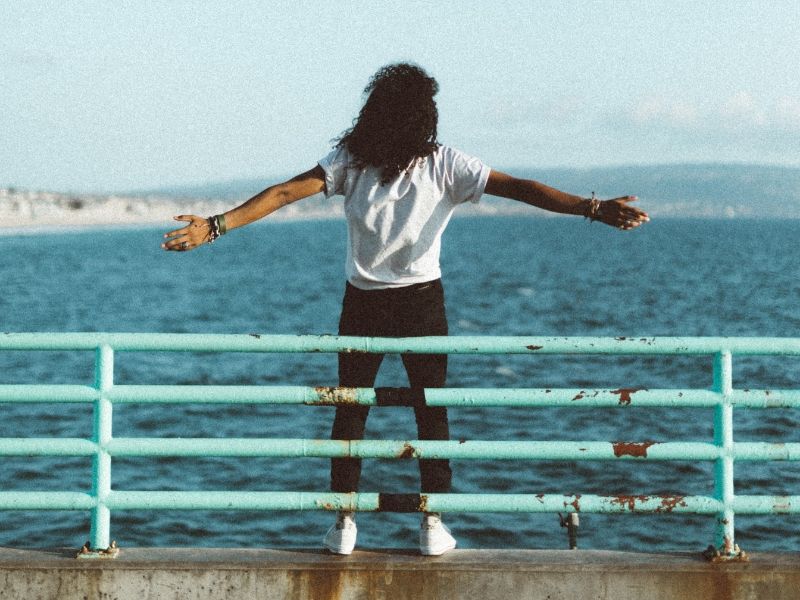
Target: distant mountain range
{"x":695,"y":190}
{"x":713,"y":190}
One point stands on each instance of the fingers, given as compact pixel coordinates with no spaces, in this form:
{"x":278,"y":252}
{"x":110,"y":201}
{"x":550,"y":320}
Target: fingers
{"x":177,"y":232}
{"x":188,"y":237}
{"x":180,"y":243}
{"x":617,"y":213}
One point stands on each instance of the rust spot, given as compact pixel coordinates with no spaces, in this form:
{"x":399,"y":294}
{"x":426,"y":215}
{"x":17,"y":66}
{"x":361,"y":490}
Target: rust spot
{"x":408,"y":451}
{"x":582,"y":449}
{"x":629,"y":501}
{"x":637,"y":449}
{"x":423,"y":503}
{"x":534,"y":347}
{"x":727,"y":546}
{"x":335,"y":395}
{"x":625,"y":394}
{"x":576,"y":503}
{"x":255,"y":335}
{"x":548,"y":391}
{"x":579,"y":396}
{"x":781,"y":505}
{"x":621,"y":339}
{"x":668,"y":503}
{"x":540,"y":498}
{"x":461,"y":441}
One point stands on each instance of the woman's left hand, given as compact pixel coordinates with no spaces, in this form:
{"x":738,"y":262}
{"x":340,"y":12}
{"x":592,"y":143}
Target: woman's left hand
{"x":617,"y":213}
{"x":195,"y":234}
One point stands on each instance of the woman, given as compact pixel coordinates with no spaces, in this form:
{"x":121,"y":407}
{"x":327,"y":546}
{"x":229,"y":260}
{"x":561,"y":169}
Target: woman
{"x":400,"y":188}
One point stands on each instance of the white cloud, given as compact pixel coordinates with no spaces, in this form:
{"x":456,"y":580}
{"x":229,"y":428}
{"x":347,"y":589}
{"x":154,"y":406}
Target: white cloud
{"x":741,"y":109}
{"x":739,"y":126}
{"x":787,"y":112}
{"x":675,"y":112}
{"x":738,"y":112}
{"x":18,"y":54}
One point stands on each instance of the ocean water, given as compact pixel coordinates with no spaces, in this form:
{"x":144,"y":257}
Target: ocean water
{"x":503,"y":276}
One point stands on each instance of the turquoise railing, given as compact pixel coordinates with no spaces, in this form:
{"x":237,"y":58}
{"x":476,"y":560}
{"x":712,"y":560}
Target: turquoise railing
{"x":103,"y":446}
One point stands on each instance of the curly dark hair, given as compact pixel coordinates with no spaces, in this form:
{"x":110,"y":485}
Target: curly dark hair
{"x":397,"y":124}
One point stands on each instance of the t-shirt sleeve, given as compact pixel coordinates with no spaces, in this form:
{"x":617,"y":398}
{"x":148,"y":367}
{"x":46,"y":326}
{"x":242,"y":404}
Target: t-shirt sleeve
{"x":335,"y":167}
{"x":468,"y":176}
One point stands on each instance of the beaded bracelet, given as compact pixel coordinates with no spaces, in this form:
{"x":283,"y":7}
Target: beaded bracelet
{"x":594,"y":209}
{"x":213,"y":225}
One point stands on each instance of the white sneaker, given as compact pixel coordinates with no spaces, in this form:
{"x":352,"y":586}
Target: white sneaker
{"x":434,"y":536}
{"x":341,"y":537}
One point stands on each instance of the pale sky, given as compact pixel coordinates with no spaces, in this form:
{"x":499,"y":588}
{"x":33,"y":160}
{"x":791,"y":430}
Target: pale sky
{"x":113,"y":96}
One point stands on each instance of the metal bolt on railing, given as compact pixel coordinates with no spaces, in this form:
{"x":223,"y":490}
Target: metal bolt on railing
{"x":571,"y":522}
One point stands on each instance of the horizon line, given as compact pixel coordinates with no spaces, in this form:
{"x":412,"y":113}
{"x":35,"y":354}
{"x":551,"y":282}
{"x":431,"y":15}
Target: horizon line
{"x":509,"y":169}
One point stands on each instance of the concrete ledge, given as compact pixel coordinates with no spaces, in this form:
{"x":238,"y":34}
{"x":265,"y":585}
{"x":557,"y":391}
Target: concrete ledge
{"x":191,"y":573}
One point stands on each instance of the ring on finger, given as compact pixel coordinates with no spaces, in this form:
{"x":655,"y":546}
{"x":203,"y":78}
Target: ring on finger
{"x":184,"y":245}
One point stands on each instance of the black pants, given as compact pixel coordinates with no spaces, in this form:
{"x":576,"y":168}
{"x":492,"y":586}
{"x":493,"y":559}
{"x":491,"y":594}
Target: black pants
{"x":415,"y":310}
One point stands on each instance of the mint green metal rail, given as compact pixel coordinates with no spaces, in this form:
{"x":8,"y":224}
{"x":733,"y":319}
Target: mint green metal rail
{"x":103,"y":446}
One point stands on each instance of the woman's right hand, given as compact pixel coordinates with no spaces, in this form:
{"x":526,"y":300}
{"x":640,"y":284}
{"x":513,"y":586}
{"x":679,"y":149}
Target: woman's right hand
{"x":195,"y":234}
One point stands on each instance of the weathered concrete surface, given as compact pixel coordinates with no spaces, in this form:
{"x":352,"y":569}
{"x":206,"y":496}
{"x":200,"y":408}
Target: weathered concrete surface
{"x":144,"y":574}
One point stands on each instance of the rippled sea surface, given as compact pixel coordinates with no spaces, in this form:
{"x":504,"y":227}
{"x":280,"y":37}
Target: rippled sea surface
{"x":503,"y":276}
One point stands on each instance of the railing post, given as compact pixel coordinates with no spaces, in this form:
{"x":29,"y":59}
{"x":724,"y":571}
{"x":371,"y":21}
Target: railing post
{"x":723,"y":438}
{"x":101,"y":469}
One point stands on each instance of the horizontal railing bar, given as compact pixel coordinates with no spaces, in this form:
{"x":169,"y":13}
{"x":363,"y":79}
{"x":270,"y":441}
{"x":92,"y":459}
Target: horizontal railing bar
{"x":452,"y":397}
{"x":764,"y":505}
{"x":189,"y":342}
{"x":47,"y":447}
{"x":753,"y":451}
{"x":596,"y":398}
{"x":749,"y":398}
{"x":364,"y":501}
{"x":412,"y":449}
{"x":46,"y":501}
{"x":238,"y":394}
{"x":214,"y":500}
{"x":588,"y":503}
{"x":57,"y":394}
{"x":539,"y":503}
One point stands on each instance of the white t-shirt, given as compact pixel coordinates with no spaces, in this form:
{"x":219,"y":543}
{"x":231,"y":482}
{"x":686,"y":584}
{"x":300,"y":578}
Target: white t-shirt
{"x":395,"y":229}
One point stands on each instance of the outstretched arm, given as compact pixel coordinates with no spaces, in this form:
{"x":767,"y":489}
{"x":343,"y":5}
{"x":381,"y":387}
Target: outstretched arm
{"x":197,"y":232}
{"x":615,"y":212}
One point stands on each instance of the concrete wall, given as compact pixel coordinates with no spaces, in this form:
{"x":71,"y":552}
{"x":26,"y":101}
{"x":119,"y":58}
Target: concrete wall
{"x":144,"y":574}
